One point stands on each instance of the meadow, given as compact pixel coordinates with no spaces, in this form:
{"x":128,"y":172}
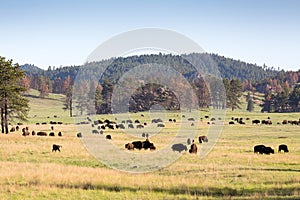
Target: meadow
{"x":29,"y":170}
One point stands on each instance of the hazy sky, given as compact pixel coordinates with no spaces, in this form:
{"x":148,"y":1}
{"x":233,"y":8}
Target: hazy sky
{"x":65,"y":32}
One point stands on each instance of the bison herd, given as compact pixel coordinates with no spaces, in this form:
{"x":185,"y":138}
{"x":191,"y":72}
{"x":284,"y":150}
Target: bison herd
{"x":262,"y":149}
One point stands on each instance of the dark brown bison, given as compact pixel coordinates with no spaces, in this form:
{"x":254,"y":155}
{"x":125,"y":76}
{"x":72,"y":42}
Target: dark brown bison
{"x":33,"y":133}
{"x":41,"y":133}
{"x":56,"y":147}
{"x":262,"y":149}
{"x":51,"y":134}
{"x":59,"y":134}
{"x":259,"y":148}
{"x":26,"y":133}
{"x":130,"y":126}
{"x":160,"y":125}
{"x":284,"y":148}
{"x":255,"y":121}
{"x":147,"y":144}
{"x":137,"y":145}
{"x":179,"y":147}
{"x":79,"y":135}
{"x":203,"y":138}
{"x":193,"y":148}
{"x":129,"y":146}
{"x":108,"y":137}
{"x":139,"y":126}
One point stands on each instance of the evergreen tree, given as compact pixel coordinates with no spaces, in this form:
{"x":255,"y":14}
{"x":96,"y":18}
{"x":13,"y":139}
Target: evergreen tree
{"x":233,"y":93}
{"x":250,"y":104}
{"x":294,"y":98}
{"x":12,"y":103}
{"x":68,"y":91}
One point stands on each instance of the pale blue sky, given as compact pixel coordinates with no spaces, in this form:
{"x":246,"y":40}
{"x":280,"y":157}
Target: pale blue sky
{"x":54,"y":33}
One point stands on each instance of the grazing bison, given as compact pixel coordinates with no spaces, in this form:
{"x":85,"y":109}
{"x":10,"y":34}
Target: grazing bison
{"x":160,"y":125}
{"x":262,"y":149}
{"x":137,"y":121}
{"x":41,"y":133}
{"x":284,"y":148}
{"x":56,"y":147}
{"x":26,"y":133}
{"x":193,"y":148}
{"x":13,"y":129}
{"x":259,"y":149}
{"x":51,"y":134}
{"x":269,"y":150}
{"x":191,"y":119}
{"x":79,"y":135}
{"x":108,"y":137}
{"x":203,"y":139}
{"x":121,"y":126}
{"x":137,"y":145}
{"x":231,"y":122}
{"x":130,"y":126}
{"x":179,"y":147}
{"x":139,"y":126}
{"x":156,"y":120}
{"x":188,"y":141}
{"x":255,"y":121}
{"x":33,"y":133}
{"x":59,"y":134}
{"x":95,"y":131}
{"x":146,"y":144}
{"x":129,"y":146}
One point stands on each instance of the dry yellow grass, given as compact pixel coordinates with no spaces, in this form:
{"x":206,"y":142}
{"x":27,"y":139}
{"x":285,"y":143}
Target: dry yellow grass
{"x":29,"y":169}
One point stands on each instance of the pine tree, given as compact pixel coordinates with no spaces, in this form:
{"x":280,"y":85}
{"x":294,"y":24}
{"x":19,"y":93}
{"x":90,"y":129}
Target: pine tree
{"x":233,"y":93}
{"x":294,"y":98}
{"x":12,"y":103}
{"x":68,"y":90}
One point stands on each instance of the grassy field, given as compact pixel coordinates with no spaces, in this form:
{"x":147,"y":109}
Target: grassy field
{"x":29,"y":170}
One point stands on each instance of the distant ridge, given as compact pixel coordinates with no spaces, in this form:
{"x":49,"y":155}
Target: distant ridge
{"x":227,"y":67}
{"x":31,"y":69}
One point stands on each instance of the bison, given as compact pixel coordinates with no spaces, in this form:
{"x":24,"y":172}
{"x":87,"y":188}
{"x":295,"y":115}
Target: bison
{"x":79,"y":135}
{"x":139,"y":126}
{"x":56,"y":147}
{"x":284,"y":148}
{"x":130,"y":126}
{"x":262,"y":149}
{"x":51,"y":134}
{"x":203,"y":139}
{"x":160,"y":125}
{"x":129,"y":146}
{"x":137,"y":145}
{"x":193,"y":148}
{"x":59,"y":134}
{"x":179,"y":147}
{"x":259,"y":148}
{"x":255,"y":121}
{"x":108,"y":137}
{"x":41,"y":133}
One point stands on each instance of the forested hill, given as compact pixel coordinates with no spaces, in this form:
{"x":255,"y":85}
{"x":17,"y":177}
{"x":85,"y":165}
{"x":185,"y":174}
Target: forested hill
{"x":228,"y":67}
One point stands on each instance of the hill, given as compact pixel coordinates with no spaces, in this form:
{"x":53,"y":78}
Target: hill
{"x":228,"y":67}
